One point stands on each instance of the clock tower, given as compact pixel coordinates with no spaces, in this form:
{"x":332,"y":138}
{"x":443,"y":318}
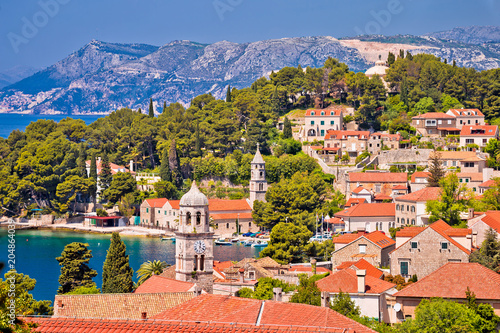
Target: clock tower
{"x":194,"y":257}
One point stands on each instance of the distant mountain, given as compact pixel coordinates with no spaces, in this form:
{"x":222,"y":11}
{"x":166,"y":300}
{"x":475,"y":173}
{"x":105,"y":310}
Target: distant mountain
{"x":15,"y":74}
{"x":102,"y":77}
{"x":470,"y":35}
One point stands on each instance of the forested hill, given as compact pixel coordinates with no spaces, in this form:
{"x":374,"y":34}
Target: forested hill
{"x":102,"y":77}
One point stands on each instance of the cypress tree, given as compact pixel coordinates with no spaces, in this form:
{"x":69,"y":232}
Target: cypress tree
{"x":139,"y":111}
{"x":287,"y":129}
{"x":402,"y":54}
{"x":75,"y":271}
{"x":436,"y":170}
{"x":105,"y":177}
{"x":165,"y":173}
{"x":82,"y":167}
{"x":116,"y":271}
{"x":198,"y":140}
{"x":228,"y":94}
{"x":173,"y":163}
{"x":275,"y":101}
{"x":93,"y":168}
{"x":391,"y":58}
{"x":164,"y":107}
{"x":409,"y":55}
{"x":404,"y":91}
{"x":151,"y":110}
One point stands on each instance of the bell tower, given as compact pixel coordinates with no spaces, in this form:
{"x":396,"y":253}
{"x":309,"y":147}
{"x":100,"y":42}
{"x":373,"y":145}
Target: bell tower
{"x":258,"y":183}
{"x":194,"y":257}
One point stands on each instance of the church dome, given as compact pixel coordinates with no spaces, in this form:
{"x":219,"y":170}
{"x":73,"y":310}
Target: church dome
{"x":194,"y":197}
{"x":379,"y":69}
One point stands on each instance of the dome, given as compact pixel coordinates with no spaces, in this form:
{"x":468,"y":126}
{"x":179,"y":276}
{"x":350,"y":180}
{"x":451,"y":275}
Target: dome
{"x":379,"y":69}
{"x":194,"y":197}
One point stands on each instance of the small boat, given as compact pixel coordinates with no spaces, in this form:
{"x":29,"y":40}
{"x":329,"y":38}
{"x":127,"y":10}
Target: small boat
{"x":259,"y":244}
{"x":221,"y":241}
{"x":235,"y":240}
{"x":168,"y":238}
{"x":248,"y":242}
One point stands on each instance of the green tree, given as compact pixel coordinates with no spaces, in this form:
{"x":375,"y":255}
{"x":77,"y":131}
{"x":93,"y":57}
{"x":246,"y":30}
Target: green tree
{"x":165,"y":173}
{"x":93,"y":168}
{"x":424,"y":105}
{"x":75,"y":271}
{"x":287,"y":129}
{"x":165,"y":189}
{"x":264,"y":289}
{"x":454,"y":199}
{"x":436,"y":169}
{"x":122,"y":183}
{"x":287,"y":243}
{"x":228,"y":94}
{"x":116,"y":271}
{"x":150,"y":268}
{"x":308,"y":292}
{"x":151,"y":109}
{"x":489,"y":253}
{"x":84,"y":291}
{"x":68,"y":190}
{"x":105,"y":176}
{"x":391,"y":58}
{"x":174,"y":165}
{"x":491,"y":197}
{"x":343,"y":304}
{"x":126,"y":206}
{"x":489,"y":320}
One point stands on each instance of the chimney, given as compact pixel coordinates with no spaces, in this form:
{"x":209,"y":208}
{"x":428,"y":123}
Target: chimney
{"x":242,"y":275}
{"x":313,"y":265}
{"x":277,"y":295}
{"x":99,"y":159}
{"x":197,"y":291}
{"x":361,"y":273}
{"x":325,"y":299}
{"x":474,"y":238}
{"x":471,"y":213}
{"x":144,"y":315}
{"x":131,"y":166}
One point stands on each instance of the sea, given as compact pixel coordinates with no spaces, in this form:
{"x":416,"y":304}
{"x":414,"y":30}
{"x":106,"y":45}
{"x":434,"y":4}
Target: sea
{"x":36,"y":250}
{"x":13,"y":121}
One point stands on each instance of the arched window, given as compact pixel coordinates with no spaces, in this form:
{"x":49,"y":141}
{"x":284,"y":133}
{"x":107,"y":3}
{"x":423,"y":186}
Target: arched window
{"x":413,"y":221}
{"x":261,"y":187}
{"x":402,"y":221}
{"x":397,"y":207}
{"x":312,"y":113}
{"x":331,"y":113}
{"x":198,"y":217}
{"x":188,"y":218}
{"x":202,"y":262}
{"x":322,"y":113}
{"x":195,"y":266}
{"x":413,"y":209}
{"x":249,"y":224}
{"x":261,"y":173}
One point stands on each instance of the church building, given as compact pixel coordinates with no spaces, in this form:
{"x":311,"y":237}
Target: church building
{"x":258,"y":183}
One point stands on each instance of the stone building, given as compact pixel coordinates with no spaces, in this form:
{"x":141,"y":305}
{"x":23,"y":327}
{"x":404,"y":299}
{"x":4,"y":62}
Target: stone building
{"x":160,"y":212}
{"x":378,"y":139}
{"x":435,"y":124}
{"x":351,"y":142}
{"x":368,"y":217}
{"x":318,"y":122}
{"x":478,"y":135}
{"x":467,"y":117}
{"x":410,"y":208}
{"x":375,"y":182}
{"x":480,"y":224}
{"x":258,"y":183}
{"x":423,"y":250}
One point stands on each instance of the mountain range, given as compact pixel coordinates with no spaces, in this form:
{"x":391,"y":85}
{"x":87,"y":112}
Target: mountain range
{"x":102,"y":77}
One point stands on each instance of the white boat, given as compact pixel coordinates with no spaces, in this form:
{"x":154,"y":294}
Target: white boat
{"x":259,"y":244}
{"x":221,"y":241}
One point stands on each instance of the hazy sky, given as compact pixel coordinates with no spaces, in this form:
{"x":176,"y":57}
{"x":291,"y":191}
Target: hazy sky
{"x":40,"y":32}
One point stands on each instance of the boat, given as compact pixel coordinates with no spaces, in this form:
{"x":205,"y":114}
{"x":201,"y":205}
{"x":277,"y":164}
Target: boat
{"x":249,"y":242}
{"x":168,"y":238}
{"x":235,"y":240}
{"x":259,"y":244}
{"x":221,"y":241}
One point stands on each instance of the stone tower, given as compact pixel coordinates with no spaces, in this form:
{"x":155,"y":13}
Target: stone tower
{"x":194,"y":257}
{"x":258,"y":183}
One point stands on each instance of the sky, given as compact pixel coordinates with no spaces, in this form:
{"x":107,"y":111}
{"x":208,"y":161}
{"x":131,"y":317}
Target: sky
{"x":39,"y":33}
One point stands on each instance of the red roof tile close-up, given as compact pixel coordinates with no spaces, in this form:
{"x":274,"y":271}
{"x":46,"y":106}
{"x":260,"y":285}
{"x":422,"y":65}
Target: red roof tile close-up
{"x":160,"y":284}
{"x":347,"y":281}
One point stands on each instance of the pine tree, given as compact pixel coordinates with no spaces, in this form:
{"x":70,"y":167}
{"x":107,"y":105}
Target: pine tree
{"x":436,"y":170}
{"x":404,"y":91}
{"x":228,"y":94}
{"x":391,"y":58}
{"x":105,"y":177}
{"x":164,"y":107}
{"x":402,"y":54}
{"x":287,"y":129}
{"x":75,"y":271}
{"x":165,"y":173}
{"x":173,"y":163}
{"x":151,"y":109}
{"x":82,"y":167}
{"x":116,"y":271}
{"x":93,"y":168}
{"x":139,"y":111}
{"x":409,"y":56}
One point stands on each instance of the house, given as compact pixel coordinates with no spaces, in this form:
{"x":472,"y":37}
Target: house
{"x":318,"y":122}
{"x":368,"y":217}
{"x":375,"y":182}
{"x":435,"y":124}
{"x":480,"y":224}
{"x":367,"y":292}
{"x":467,"y":117}
{"x":360,"y":193}
{"x":378,"y":140}
{"x":429,"y":248}
{"x":335,"y":224}
{"x":450,"y":282}
{"x":115,"y":168}
{"x":471,"y":179}
{"x":373,"y":247}
{"x":254,"y":269}
{"x":419,"y":180}
{"x":362,"y":264}
{"x":451,"y":159}
{"x":410,"y":208}
{"x":485,"y":186}
{"x":160,"y":212}
{"x":351,"y":142}
{"x":477,"y":135}
{"x":354,"y":201}
{"x":399,"y":190}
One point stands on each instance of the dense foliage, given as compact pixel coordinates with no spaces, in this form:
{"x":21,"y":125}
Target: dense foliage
{"x":264,"y":289}
{"x":116,"y":271}
{"x":75,"y":271}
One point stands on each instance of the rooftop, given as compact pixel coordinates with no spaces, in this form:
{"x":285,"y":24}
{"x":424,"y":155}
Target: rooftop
{"x":425,"y":194}
{"x":362,"y":264}
{"x":369,"y":210}
{"x":433,"y":115}
{"x":347,"y":281}
{"x":479,"y":130}
{"x":354,"y":201}
{"x":454,"y":155}
{"x":160,"y":284}
{"x":324,"y":112}
{"x":346,"y":134}
{"x":378,"y":177}
{"x":466,"y":112}
{"x":377,"y":237}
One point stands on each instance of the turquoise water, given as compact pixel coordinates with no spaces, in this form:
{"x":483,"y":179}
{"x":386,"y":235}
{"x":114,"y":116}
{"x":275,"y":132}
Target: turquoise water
{"x":11,"y":121}
{"x":36,"y":251}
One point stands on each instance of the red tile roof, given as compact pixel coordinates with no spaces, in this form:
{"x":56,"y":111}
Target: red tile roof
{"x":458,"y":232}
{"x":359,"y":189}
{"x":174,"y":204}
{"x":228,"y":309}
{"x":347,"y":281}
{"x":345,"y":238}
{"x":392,"y":137}
{"x":378,"y":177}
{"x":369,"y":210}
{"x":409,"y":231}
{"x":379,"y":238}
{"x":419,"y":174}
{"x":399,"y":187}
{"x":156,"y":203}
{"x":425,"y":194}
{"x":215,"y":205}
{"x":433,"y":115}
{"x":335,"y":220}
{"x":492,"y":219}
{"x":231,"y":216}
{"x":302,"y":268}
{"x":453,"y":155}
{"x":51,"y":325}
{"x":160,"y":284}
{"x":362,"y":264}
{"x":354,"y":201}
{"x":344,"y":134}
{"x":479,"y":130}
{"x":465,"y":112}
{"x":115,"y":168}
{"x":327,"y":112}
{"x":473,"y":176}
{"x":380,"y":197}
{"x":452,"y":280}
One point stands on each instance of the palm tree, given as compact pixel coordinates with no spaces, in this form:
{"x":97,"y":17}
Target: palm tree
{"x":149,"y":268}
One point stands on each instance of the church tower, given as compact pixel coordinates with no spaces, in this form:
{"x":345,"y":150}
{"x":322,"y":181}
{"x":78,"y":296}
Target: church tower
{"x":258,"y":183}
{"x":194,"y":257}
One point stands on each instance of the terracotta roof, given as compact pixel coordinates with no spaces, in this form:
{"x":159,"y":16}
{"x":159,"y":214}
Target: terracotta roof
{"x":345,"y":238}
{"x":117,"y":306}
{"x":472,"y":159}
{"x":479,"y":130}
{"x":231,"y":216}
{"x":169,"y":272}
{"x":396,"y":137}
{"x":160,"y":284}
{"x":115,"y":168}
{"x":381,"y":196}
{"x":335,"y":220}
{"x":156,"y":203}
{"x":453,"y":155}
{"x":347,"y":281}
{"x":432,"y":115}
{"x":409,"y":231}
{"x":228,"y":309}
{"x":302,"y":268}
{"x":378,"y":177}
{"x":174,"y":203}
{"x":51,"y":325}
{"x":474,"y":176}
{"x":488,"y":183}
{"x":354,"y":201}
{"x":359,"y":189}
{"x":331,"y":148}
{"x":362,"y":264}
{"x":369,"y":210}
{"x":399,"y":187}
{"x":425,"y":194}
{"x":449,"y":129}
{"x":344,"y":134}
{"x":419,"y":174}
{"x":492,"y":219}
{"x":215,"y":205}
{"x":465,"y":112}
{"x":458,"y":232}
{"x":268,"y":262}
{"x":327,"y":112}
{"x":452,"y":280}
{"x":380,"y":239}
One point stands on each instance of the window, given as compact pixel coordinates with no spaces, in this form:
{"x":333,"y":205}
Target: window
{"x":147,"y":210}
{"x":377,"y":188}
{"x":444,"y":245}
{"x":485,"y":141}
{"x":454,"y":163}
{"x":461,"y":121}
{"x":418,"y":122}
{"x":468,"y":121}
{"x":440,"y":122}
{"x":398,"y":220}
{"x":403,"y":220}
{"x":159,"y":211}
{"x":412,"y":221}
{"x":322,"y":122}
{"x":397,"y":207}
{"x":249,"y":224}
{"x":198,"y":217}
{"x":227,"y":225}
{"x":188,"y":218}
{"x":312,"y":122}
{"x":449,"y":122}
{"x":174,"y":213}
{"x":467,"y":141}
{"x":165,"y":212}
{"x":362,"y":248}
{"x":322,"y":132}
{"x":413,"y":209}
{"x":332,"y":122}
{"x":466,"y":180}
{"x":445,"y":163}
{"x":407,"y":208}
{"x":312,"y":113}
{"x":404,"y":268}
{"x":414,"y":245}
{"x":322,"y":113}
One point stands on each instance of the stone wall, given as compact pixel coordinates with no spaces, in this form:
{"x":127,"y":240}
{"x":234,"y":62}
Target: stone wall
{"x":350,"y":252}
{"x":419,"y":156}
